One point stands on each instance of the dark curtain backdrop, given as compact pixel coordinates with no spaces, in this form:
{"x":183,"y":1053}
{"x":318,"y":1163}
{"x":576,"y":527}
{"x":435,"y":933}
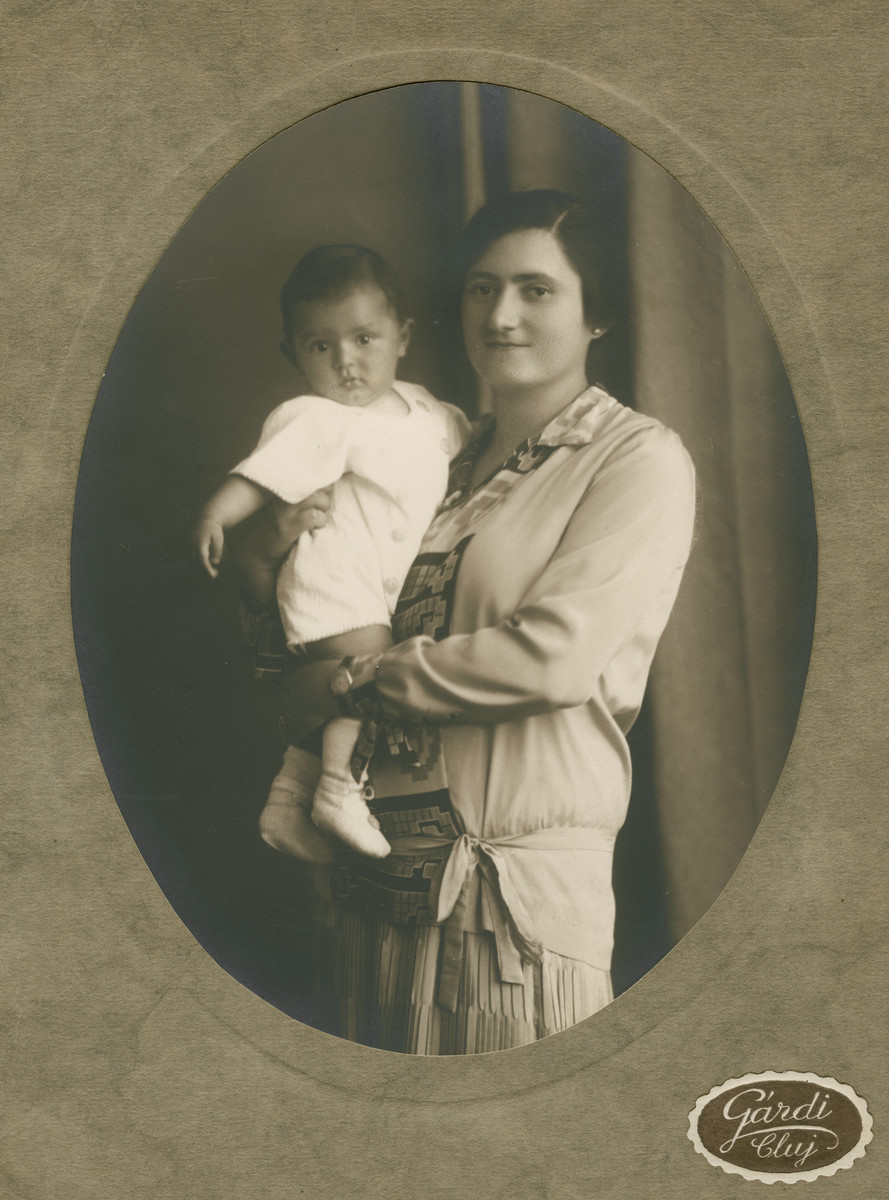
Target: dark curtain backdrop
{"x":188,"y":746}
{"x":728,"y":678}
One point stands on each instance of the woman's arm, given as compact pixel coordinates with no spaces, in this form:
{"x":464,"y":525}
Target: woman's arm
{"x":625,"y":545}
{"x":618,"y":562}
{"x":232,"y":503}
{"x":259,"y":545}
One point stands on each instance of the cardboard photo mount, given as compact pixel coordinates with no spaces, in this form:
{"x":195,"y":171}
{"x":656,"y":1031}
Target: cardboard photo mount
{"x":136,"y":1064}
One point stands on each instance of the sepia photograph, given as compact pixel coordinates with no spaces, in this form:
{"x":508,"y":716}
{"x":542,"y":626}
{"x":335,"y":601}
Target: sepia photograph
{"x":443,"y":568}
{"x":444,"y":601}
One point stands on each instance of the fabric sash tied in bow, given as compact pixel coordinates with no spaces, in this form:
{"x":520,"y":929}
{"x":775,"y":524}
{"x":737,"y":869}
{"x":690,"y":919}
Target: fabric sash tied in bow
{"x":503,"y":911}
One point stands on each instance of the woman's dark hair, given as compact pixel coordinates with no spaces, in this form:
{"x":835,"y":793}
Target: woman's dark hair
{"x":329,"y":272}
{"x":567,"y":218}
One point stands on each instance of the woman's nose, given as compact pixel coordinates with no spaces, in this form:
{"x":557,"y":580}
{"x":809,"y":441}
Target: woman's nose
{"x":504,"y":310}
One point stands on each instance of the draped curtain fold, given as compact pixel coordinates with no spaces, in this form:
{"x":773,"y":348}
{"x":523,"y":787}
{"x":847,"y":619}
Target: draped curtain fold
{"x":728,"y":677}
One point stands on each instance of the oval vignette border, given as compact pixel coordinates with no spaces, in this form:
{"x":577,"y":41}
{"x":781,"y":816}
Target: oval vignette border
{"x":663,"y":989}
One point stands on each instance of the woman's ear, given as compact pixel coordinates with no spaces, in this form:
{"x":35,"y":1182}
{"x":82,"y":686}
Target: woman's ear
{"x":407,"y":329}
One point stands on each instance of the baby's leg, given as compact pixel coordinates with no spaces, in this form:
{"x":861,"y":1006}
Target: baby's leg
{"x":285,"y":822}
{"x":340,"y":805}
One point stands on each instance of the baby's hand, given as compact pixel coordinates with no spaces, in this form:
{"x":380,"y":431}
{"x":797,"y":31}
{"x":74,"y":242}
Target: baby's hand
{"x":209,"y":541}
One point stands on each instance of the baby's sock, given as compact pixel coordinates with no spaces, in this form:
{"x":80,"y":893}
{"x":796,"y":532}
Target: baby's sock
{"x":285,"y":822}
{"x":339,"y":806}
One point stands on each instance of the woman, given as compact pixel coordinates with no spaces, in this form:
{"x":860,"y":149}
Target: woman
{"x":525,"y":632}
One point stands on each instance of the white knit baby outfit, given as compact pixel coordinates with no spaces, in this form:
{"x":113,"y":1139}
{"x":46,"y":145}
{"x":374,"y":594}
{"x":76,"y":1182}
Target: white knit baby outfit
{"x":389,"y":474}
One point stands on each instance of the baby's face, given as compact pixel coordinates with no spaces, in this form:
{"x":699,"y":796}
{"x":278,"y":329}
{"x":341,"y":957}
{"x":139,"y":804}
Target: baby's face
{"x":348,"y":348}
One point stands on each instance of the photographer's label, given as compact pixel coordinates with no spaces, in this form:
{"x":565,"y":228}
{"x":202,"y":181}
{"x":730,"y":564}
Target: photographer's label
{"x":781,"y":1127}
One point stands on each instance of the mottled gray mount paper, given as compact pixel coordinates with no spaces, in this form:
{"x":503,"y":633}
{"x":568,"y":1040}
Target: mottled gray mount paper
{"x":132,"y":1064}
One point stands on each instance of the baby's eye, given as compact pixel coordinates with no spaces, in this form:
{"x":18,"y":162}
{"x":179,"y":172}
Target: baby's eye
{"x":319,"y":347}
{"x":364,"y":339}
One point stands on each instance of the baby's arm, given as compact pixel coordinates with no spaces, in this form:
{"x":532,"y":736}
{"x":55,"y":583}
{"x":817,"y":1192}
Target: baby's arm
{"x":236,"y":500}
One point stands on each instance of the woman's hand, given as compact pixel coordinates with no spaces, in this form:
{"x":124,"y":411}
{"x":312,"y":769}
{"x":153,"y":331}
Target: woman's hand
{"x":276,"y":528}
{"x":307,"y":702}
{"x":260,"y":544}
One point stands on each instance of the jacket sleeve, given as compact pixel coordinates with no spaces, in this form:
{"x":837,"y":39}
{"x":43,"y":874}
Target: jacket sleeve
{"x":611,"y":578}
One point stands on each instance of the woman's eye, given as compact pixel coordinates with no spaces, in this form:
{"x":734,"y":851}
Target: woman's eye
{"x":480,"y":289}
{"x":539,"y":290}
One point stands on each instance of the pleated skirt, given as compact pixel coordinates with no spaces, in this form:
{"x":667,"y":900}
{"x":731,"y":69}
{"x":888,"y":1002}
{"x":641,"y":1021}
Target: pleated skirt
{"x":385,"y":981}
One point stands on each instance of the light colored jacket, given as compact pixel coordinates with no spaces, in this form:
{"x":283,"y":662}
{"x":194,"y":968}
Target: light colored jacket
{"x":535,"y":606}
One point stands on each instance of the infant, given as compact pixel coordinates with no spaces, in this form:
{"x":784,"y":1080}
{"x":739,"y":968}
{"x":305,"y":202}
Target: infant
{"x":383,"y":447}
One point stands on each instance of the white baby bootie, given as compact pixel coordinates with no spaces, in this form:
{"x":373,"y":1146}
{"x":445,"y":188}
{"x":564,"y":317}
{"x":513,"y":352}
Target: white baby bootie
{"x":340,"y":804}
{"x":285,"y":822}
{"x":343,"y":811}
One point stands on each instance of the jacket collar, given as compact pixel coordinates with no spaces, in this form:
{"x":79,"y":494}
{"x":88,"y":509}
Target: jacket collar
{"x":575,"y":425}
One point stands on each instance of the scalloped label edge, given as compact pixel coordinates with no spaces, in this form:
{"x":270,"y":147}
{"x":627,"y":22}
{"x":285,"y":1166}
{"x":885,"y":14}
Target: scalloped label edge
{"x":802,"y":1176}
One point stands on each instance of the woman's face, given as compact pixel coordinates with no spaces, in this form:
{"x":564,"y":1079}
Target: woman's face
{"x":523,"y":319}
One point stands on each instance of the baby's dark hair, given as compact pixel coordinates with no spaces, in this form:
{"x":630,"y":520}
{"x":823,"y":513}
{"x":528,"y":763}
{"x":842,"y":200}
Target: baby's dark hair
{"x":329,"y":272}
